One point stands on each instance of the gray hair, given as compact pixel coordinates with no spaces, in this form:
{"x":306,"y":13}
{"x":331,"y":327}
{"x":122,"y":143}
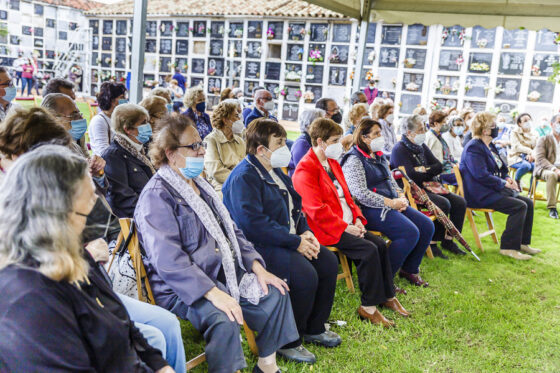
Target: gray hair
{"x":454,"y":119}
{"x":410,"y":124}
{"x":554,"y":118}
{"x":307,"y":116}
{"x":50,"y":101}
{"x":36,"y":198}
{"x":233,"y":101}
{"x":126,"y":116}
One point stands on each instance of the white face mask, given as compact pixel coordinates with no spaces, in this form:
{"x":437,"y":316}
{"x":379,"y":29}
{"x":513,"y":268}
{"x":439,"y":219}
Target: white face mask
{"x":269,"y":106}
{"x":334,"y":151}
{"x":419,"y":138}
{"x":527,"y":125}
{"x":390,"y":118}
{"x":557,"y":128}
{"x":280,"y":157}
{"x":238,"y":127}
{"x":377,"y":144}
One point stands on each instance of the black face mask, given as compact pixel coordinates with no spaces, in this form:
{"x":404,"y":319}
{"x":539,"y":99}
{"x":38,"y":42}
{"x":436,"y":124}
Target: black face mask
{"x":494,"y":132}
{"x":337,"y":118}
{"x":100,"y":223}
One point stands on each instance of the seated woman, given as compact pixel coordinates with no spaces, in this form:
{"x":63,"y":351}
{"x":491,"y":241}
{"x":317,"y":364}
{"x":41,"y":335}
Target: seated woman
{"x":264,"y":204}
{"x":424,"y":169}
{"x":383,"y":203}
{"x":303,"y":143}
{"x":47,"y":296}
{"x":356,"y":114}
{"x":386,"y":117}
{"x":225,"y":148}
{"x":336,"y":220}
{"x":487,"y":185}
{"x":439,"y":147}
{"x":127,"y":167}
{"x":156,"y":106}
{"x":502,"y":140}
{"x":200,"y":266}
{"x":523,"y":140}
{"x":195,"y":102}
{"x":110,"y":95}
{"x":453,"y":136}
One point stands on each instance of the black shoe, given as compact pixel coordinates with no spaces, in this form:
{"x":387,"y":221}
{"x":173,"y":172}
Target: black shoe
{"x":437,"y":252}
{"x":326,"y":339}
{"x":298,"y":354}
{"x":452,"y":247}
{"x":553,"y":213}
{"x":256,"y":369}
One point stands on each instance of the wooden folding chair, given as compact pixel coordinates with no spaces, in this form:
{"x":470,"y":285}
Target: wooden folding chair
{"x":533,"y":191}
{"x":487,"y":213}
{"x":346,"y":274}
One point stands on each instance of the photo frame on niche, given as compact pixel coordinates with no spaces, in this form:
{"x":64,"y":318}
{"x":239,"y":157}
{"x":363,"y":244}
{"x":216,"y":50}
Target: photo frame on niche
{"x":252,"y":70}
{"x":511,"y":63}
{"x":215,"y":67}
{"x":272,"y":70}
{"x":121,"y":27}
{"x":165,"y":46}
{"x":417,"y":34}
{"x":275,"y":30}
{"x":337,"y":76}
{"x":314,"y":74}
{"x":216,"y":47}
{"x":199,"y":29}
{"x":107,"y":27}
{"x":294,"y":52}
{"x":389,"y":57}
{"x":339,"y":54}
{"x":296,"y":31}
{"x":253,"y":49}
{"x":391,"y":35}
{"x":341,"y":33}
{"x":217,"y":29}
{"x":319,"y":32}
{"x":182,"y":29}
{"x":198,"y":65}
{"x":150,"y":46}
{"x":507,"y":88}
{"x":107,"y":43}
{"x":254,"y":29}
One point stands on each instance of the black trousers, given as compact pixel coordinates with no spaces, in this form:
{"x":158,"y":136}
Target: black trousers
{"x":312,"y":284}
{"x":373,"y":265}
{"x":519,"y":225}
{"x":453,"y":206}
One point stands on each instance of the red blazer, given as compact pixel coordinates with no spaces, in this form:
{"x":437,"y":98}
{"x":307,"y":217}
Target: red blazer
{"x":320,"y":198}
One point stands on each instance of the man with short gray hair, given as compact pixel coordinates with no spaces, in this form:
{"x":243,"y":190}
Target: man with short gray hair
{"x":264,"y":106}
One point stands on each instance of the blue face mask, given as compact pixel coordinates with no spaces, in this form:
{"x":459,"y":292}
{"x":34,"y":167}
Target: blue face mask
{"x":193,"y":167}
{"x":123,"y":101}
{"x":78,"y":129}
{"x":201,"y":107}
{"x":10,"y":94}
{"x":169,"y":108}
{"x":144,"y":133}
{"x":458,"y":130}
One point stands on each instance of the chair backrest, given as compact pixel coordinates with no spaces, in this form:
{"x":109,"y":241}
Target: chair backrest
{"x":285,"y":170}
{"x":406,"y":189}
{"x":457,"y":172}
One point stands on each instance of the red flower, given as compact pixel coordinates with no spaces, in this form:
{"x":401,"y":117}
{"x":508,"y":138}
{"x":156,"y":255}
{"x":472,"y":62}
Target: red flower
{"x":379,"y":153}
{"x":374,"y":190}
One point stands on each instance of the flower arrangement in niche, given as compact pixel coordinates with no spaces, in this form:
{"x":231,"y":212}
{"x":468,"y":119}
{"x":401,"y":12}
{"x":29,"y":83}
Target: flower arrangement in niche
{"x":482,"y":43}
{"x":277,"y":90}
{"x":394,"y":82}
{"x":238,"y":33}
{"x":371,"y":56}
{"x":108,"y":60}
{"x":215,"y":90}
{"x":283,"y":92}
{"x":413,"y":87}
{"x":460,"y":60}
{"x":535,"y":70}
{"x":444,"y":35}
{"x":315,"y":56}
{"x":293,"y":76}
{"x":270,"y":33}
{"x":480,"y":66}
{"x":308,"y":96}
{"x":298,"y":93}
{"x":171,"y":65}
{"x":191,"y":29}
{"x":534,"y":96}
{"x":468,"y":86}
{"x":201,"y":28}
{"x":514,"y":113}
{"x":434,"y":105}
{"x":334,"y":58}
{"x":409,"y":62}
{"x":499,"y":89}
{"x":185,"y":66}
{"x":211,"y":71}
{"x":370,"y":76}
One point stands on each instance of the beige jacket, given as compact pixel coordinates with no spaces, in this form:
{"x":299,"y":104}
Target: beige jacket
{"x":222,"y":155}
{"x":435,"y":146}
{"x":521,"y":143}
{"x":545,"y":154}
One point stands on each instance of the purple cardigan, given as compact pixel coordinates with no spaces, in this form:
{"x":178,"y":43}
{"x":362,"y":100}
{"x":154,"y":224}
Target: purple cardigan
{"x":300,"y":148}
{"x":182,"y":259}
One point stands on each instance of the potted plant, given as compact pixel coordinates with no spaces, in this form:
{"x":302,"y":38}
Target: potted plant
{"x":409,"y":62}
{"x":412,"y":87}
{"x":534,"y":96}
{"x":535,"y":70}
{"x":315,"y":56}
{"x":371,"y":57}
{"x":308,"y":97}
{"x":270,"y":33}
{"x":482,"y":43}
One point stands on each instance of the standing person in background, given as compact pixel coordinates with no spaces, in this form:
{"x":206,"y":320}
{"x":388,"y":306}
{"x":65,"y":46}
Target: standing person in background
{"x":100,"y":133}
{"x":386,"y":117}
{"x":249,"y":108}
{"x":36,"y":75}
{"x":27,"y":76}
{"x":453,"y":136}
{"x":195,"y":102}
{"x":18,"y":66}
{"x":7,"y":93}
{"x":176,"y":91}
{"x":370,"y":91}
{"x":181,"y":81}
{"x":523,"y":141}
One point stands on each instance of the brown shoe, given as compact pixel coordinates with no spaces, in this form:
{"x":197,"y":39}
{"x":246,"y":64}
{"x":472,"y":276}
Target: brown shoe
{"x":375,"y":318}
{"x":396,"y":306}
{"x":399,"y":290}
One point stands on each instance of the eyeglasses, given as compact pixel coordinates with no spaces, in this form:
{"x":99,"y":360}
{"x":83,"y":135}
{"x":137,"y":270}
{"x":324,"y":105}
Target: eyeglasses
{"x":266,"y":98}
{"x":9,"y":84}
{"x":74,"y":115}
{"x":196,"y":146}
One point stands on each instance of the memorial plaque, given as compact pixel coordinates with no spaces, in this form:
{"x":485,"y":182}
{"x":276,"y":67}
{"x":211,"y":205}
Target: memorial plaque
{"x":107,"y":27}
{"x":237,"y":68}
{"x":182,"y":47}
{"x":339,"y":54}
{"x":483,"y":37}
{"x":316,"y":53}
{"x":38,"y":31}
{"x":290,"y":112}
{"x":296,"y":31}
{"x":253,"y":49}
{"x":166,"y":28}
{"x":507,"y":89}
{"x":477,"y":86}
{"x":337,"y":76}
{"x":38,"y":43}
{"x":544,"y":88}
{"x":450,"y":60}
{"x":3,"y":15}
{"x":27,"y":30}
{"x":198,"y":66}
{"x":543,"y":64}
{"x":480,"y":62}
{"x":317,"y":92}
{"x":199,"y":29}
{"x":314,"y":74}
{"x":515,"y":39}
{"x":370,"y":38}
{"x":214,"y":85}
{"x":342,"y":32}
{"x":252,"y":70}
{"x":165,"y":46}
{"x":181,"y":62}
{"x":511,"y":63}
{"x":51,"y":54}
{"x":95,"y":42}
{"x":369,"y":56}
{"x":546,"y":41}
{"x":197,"y":82}
{"x":389,"y":57}
{"x":415,"y":58}
{"x":216,"y":66}
{"x":447,"y":85}
{"x":272,"y":71}
{"x":248,"y":87}
{"x":235,"y":48}
{"x":121,"y":27}
{"x":107,"y":43}
{"x":292,"y":94}
{"x":409,"y":103}
{"x":391,"y":35}
{"x":106,"y":60}
{"x":294,"y":52}
{"x":51,"y":23}
{"x":272,"y":88}
{"x":217,"y":29}
{"x":477,"y":106}
{"x":120,"y":45}
{"x":455,"y":36}
{"x":151,"y":28}
{"x":319,"y":32}
{"x":236,"y":29}
{"x":165,"y":64}
{"x":39,"y":9}
{"x":182,"y":29}
{"x":150,"y":45}
{"x":216,"y":47}
{"x":254,"y":29}
{"x":417,"y":34}
{"x":275,"y":30}
{"x":120,"y":61}
{"x":413,"y":82}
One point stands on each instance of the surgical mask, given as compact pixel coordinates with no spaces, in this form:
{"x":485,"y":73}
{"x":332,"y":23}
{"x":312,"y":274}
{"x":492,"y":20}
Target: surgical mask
{"x":444,"y":128}
{"x":280,"y":157}
{"x":238,"y":127}
{"x":469,"y":123}
{"x":78,"y":129}
{"x":169,"y":108}
{"x":494,"y":132}
{"x":193,"y":167}
{"x":268,"y":106}
{"x":10,"y":94}
{"x":458,"y":130}
{"x":527,"y":125}
{"x":419,"y":138}
{"x":557,"y":128}
{"x":390,"y":118}
{"x":144,"y":133}
{"x":123,"y":101}
{"x":334,"y":151}
{"x":501,"y":125}
{"x":201,"y":107}
{"x":377,"y":144}
{"x":98,"y":223}
{"x":337,"y":118}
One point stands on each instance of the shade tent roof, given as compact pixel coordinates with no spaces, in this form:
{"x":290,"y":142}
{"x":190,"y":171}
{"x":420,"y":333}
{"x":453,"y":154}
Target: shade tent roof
{"x":511,"y":14}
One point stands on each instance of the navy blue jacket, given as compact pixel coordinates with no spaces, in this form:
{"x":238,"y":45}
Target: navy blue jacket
{"x":402,"y":156}
{"x":482,"y":178}
{"x":260,"y":208}
{"x":255,"y":114}
{"x":127,"y":177}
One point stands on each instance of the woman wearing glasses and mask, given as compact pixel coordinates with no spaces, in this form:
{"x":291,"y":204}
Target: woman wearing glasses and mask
{"x":337,"y":221}
{"x":127,"y":166}
{"x":199,"y":264}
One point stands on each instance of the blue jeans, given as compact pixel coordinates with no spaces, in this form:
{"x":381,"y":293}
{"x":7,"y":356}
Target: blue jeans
{"x":522,"y":168}
{"x":410,"y":233}
{"x":26,"y":82}
{"x":163,"y":320}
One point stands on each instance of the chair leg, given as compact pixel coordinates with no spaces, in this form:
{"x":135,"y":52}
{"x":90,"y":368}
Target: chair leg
{"x":251,"y":339}
{"x":346,"y":272}
{"x":534,"y":190}
{"x":196,"y":361}
{"x":429,"y":253}
{"x":474,"y":230}
{"x":490,"y":223}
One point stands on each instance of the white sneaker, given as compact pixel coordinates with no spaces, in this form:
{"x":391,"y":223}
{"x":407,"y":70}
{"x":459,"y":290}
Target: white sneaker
{"x":529,"y":250}
{"x":515,"y":254}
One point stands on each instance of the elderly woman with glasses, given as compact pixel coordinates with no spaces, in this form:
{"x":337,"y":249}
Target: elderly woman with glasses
{"x":303,"y":143}
{"x":128,"y":168}
{"x":199,"y":264}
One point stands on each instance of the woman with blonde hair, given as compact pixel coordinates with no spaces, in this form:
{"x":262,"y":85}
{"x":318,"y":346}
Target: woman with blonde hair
{"x":156,"y":106}
{"x":195,"y":102}
{"x":377,"y":102}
